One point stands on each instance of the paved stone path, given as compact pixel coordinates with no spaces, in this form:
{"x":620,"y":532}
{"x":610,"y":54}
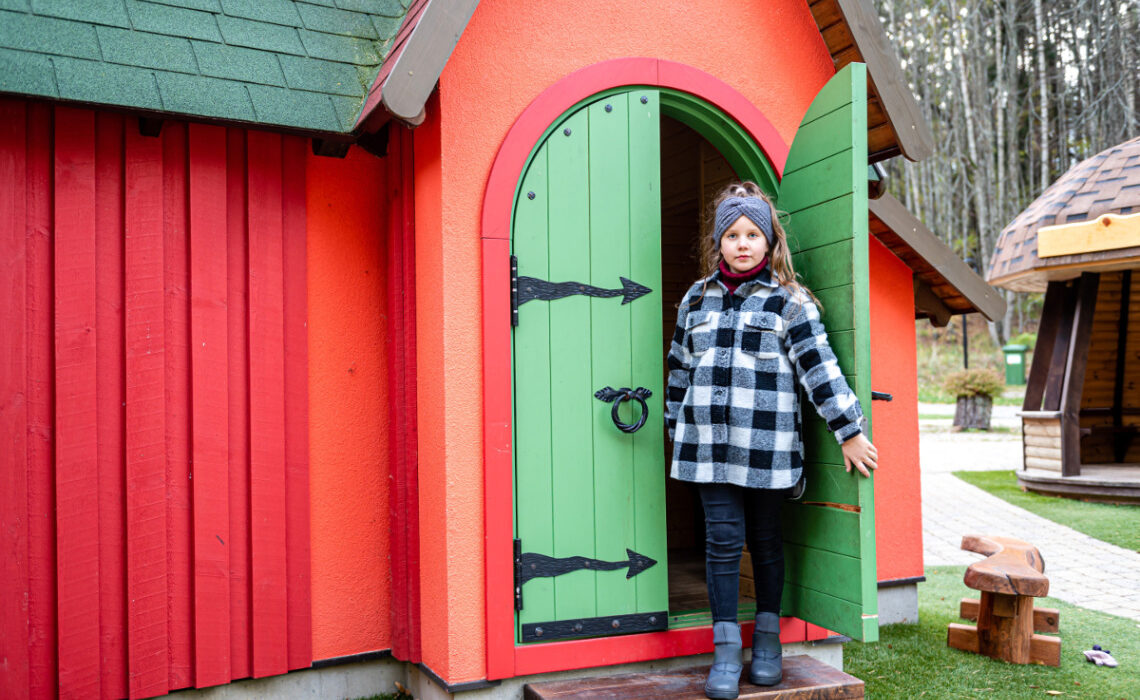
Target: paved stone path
{"x":1082,"y":570}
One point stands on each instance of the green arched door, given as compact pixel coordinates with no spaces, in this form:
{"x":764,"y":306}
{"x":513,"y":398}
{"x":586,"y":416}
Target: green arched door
{"x":589,"y":498}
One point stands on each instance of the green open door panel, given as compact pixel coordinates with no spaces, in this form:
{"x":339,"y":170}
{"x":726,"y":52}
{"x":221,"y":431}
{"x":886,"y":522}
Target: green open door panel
{"x":589,"y":212}
{"x":830,"y":534}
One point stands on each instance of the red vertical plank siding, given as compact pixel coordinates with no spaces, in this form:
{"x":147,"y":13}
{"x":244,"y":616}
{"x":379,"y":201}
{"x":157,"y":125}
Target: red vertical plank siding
{"x":296,"y":349}
{"x":209,"y":345}
{"x":403,"y":520}
{"x":154,"y":486}
{"x":110,"y":398}
{"x":145,"y":335}
{"x":266,"y":406}
{"x":237,"y":294}
{"x":77,"y":505}
{"x":43,"y":666}
{"x":177,"y":317}
{"x":14,"y":593}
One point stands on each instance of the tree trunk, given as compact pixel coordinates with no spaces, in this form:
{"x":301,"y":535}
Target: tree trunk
{"x":973,"y":412}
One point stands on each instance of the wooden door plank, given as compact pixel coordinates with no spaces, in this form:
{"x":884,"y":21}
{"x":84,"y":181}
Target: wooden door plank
{"x":109,"y":129}
{"x":611,"y":362}
{"x":179,"y":534}
{"x":827,"y":266}
{"x":1075,"y":374}
{"x":43,"y":677}
{"x":76,"y":476}
{"x":652,"y":585}
{"x":533,"y":405}
{"x":209,"y":343}
{"x":570,"y":346}
{"x":829,"y":135}
{"x":266,"y":407}
{"x":822,"y":178}
{"x":821,"y":527}
{"x":823,"y":571}
{"x":237,"y":332}
{"x":1046,"y":342}
{"x":145,"y":336}
{"x":14,"y":382}
{"x":296,"y":344}
{"x":827,"y":222}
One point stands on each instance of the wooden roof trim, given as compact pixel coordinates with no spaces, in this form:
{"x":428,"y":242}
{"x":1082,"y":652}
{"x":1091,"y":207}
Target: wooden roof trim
{"x":919,"y":239}
{"x":912,"y":133}
{"x":410,"y":72}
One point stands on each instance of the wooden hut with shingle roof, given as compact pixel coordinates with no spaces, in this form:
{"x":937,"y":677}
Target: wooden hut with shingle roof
{"x":1079,"y":242}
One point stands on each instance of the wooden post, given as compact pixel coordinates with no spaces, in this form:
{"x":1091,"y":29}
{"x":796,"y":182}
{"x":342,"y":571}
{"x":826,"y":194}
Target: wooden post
{"x":1119,"y":439}
{"x":1055,"y":381}
{"x":1046,"y":341}
{"x":1075,"y":374}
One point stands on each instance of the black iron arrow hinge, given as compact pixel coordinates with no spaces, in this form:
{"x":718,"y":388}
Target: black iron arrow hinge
{"x":532,"y":565}
{"x":524,"y":289}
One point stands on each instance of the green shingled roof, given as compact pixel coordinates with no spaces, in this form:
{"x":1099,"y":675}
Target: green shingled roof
{"x":300,"y":64}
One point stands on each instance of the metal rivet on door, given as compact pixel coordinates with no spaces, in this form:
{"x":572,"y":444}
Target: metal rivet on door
{"x":566,"y":131}
{"x":530,"y":195}
{"x":644,"y":100}
{"x":609,"y":108}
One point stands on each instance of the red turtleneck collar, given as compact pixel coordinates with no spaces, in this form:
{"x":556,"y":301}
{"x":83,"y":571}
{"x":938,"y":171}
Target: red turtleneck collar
{"x":732,"y":280}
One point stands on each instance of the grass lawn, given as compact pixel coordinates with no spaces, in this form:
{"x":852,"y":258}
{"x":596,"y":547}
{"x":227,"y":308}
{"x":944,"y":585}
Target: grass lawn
{"x":913,"y":661}
{"x":1118,"y":525}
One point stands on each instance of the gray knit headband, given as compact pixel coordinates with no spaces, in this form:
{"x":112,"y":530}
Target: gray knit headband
{"x":755,"y":208}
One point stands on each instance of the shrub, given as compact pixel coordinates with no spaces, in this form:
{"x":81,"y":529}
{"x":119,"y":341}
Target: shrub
{"x":1029,"y":339}
{"x":974,"y":382}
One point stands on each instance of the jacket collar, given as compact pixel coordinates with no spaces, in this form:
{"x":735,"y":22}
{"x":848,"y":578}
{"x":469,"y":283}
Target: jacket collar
{"x":765,"y":278}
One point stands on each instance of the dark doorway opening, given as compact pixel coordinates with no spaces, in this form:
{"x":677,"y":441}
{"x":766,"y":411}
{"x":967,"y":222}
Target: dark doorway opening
{"x":692,"y":171}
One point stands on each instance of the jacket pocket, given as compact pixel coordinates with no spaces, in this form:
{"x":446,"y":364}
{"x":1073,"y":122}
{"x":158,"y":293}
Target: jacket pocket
{"x":761,"y":334}
{"x":700,"y":331}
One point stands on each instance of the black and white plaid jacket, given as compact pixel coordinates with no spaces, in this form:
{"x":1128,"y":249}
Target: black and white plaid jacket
{"x":731,"y":405}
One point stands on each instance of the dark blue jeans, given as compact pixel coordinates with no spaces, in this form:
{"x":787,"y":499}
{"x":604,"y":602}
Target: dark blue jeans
{"x":735,"y":515}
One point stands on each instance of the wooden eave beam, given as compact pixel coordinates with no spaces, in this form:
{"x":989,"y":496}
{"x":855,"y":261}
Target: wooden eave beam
{"x":929,"y":304}
{"x":857,"y":20}
{"x":405,"y":86}
{"x":938,"y":255}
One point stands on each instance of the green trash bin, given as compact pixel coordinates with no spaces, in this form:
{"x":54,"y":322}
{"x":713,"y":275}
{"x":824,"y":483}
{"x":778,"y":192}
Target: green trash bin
{"x":1014,"y":363}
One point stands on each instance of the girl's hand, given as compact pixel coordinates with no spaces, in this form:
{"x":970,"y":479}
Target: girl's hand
{"x":859,"y":451}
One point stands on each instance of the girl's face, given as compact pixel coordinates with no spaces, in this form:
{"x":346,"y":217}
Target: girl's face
{"x":743,"y":245}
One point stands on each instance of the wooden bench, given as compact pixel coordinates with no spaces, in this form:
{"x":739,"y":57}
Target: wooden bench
{"x":1009,"y":578}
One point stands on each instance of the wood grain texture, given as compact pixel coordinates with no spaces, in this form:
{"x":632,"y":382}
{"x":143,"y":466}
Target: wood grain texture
{"x":209,"y":348}
{"x":146,"y":419}
{"x":14,"y":351}
{"x":76,"y":463}
{"x":110,"y":397}
{"x":1044,"y":619}
{"x":266,"y":407}
{"x":804,"y":678}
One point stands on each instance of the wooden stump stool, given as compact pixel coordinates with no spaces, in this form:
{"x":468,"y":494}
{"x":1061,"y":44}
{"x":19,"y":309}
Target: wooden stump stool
{"x":1009,"y":579}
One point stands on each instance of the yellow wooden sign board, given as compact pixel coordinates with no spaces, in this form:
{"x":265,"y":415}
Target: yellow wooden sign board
{"x":1107,"y":232}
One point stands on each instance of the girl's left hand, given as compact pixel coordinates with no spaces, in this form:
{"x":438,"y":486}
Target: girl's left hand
{"x":859,"y":451}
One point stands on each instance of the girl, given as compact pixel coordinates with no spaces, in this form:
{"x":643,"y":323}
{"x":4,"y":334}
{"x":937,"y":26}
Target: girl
{"x":745,"y":333}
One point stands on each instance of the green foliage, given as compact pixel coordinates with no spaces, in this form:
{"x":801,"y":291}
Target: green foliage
{"x":1115,"y":524}
{"x":974,"y":382}
{"x":913,"y":661}
{"x":1027,"y":339}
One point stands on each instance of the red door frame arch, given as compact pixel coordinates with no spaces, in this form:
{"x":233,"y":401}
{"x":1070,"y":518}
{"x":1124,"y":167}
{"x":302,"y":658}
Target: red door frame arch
{"x":504,"y":659}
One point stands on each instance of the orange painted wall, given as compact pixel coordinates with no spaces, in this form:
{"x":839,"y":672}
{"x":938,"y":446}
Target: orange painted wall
{"x":348,"y":398}
{"x":894,"y":370}
{"x":511,"y":51}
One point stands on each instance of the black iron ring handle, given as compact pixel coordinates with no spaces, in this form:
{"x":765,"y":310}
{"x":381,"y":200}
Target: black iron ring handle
{"x":616,"y":396}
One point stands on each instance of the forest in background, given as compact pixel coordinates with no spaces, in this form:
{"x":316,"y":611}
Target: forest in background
{"x":1016,"y":92}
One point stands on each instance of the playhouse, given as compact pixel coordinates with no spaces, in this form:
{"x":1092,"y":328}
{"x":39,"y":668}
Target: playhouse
{"x":310,"y":308}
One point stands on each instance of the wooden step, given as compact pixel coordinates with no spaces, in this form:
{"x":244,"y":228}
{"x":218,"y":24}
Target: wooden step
{"x":805,"y":678}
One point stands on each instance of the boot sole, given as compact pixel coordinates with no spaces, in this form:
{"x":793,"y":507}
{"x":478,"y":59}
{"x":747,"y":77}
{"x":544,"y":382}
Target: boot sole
{"x":766,"y":680}
{"x":721,"y":694}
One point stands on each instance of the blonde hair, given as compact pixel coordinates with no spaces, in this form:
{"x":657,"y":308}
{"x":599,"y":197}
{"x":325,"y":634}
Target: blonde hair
{"x":779,"y":255}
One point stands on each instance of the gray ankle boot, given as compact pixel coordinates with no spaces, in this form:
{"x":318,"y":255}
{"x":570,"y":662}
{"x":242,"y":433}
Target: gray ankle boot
{"x":724,"y":676}
{"x":767,"y":664}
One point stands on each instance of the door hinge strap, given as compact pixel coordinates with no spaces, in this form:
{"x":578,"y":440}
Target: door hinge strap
{"x":518,"y":575}
{"x":595,"y":626}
